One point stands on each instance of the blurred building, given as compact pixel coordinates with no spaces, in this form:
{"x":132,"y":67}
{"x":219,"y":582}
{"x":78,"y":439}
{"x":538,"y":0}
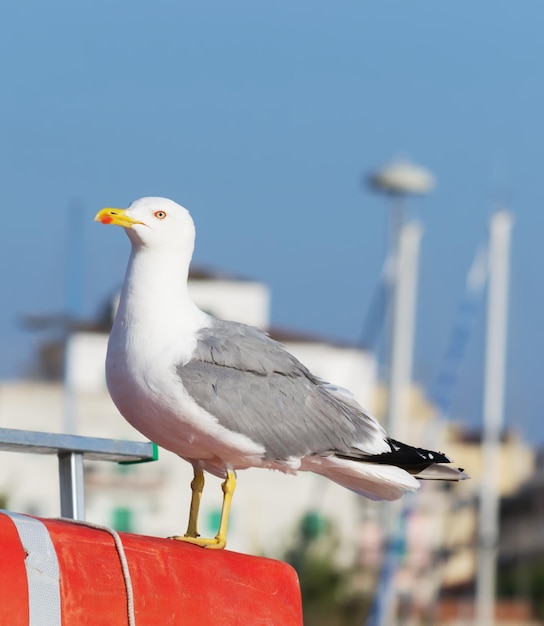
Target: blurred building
{"x":522,"y":520}
{"x":521,"y":541}
{"x":437,"y":542}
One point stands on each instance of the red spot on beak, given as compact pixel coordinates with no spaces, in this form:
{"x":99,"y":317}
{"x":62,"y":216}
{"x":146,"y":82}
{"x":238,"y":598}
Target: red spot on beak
{"x":106,"y":219}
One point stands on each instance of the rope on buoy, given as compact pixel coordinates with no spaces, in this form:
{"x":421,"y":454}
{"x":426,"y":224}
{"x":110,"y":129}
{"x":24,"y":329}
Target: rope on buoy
{"x":131,"y":615}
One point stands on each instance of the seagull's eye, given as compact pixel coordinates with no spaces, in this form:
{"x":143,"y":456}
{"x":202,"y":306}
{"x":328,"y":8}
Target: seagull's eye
{"x":160,"y":215}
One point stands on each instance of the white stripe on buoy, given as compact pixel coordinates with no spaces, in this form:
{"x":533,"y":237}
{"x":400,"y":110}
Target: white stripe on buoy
{"x":42,"y":570}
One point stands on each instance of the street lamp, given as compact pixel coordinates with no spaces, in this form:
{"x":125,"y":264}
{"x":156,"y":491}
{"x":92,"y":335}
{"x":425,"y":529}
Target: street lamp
{"x":401,"y":178}
{"x":398,"y":180}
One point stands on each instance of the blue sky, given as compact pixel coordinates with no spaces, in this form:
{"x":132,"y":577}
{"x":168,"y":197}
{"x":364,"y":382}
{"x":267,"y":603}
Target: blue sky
{"x":262,"y":118}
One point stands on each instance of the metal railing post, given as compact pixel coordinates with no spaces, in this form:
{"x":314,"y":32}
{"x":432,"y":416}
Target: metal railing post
{"x":72,"y":487}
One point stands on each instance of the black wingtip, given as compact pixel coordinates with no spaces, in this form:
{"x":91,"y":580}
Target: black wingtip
{"x":405,"y":453}
{"x":416,"y":460}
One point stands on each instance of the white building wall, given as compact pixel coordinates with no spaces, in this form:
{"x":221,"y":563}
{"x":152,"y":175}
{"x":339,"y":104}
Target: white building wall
{"x":240,"y":301}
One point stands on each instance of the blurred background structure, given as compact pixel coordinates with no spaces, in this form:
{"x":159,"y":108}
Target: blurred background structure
{"x":307,"y":519}
{"x":261,"y":120}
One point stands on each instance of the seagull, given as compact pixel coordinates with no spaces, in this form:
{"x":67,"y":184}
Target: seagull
{"x":225,"y":396}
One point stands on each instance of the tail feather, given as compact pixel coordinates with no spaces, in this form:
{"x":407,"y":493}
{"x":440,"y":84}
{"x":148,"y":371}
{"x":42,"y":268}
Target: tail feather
{"x":374,"y":481}
{"x":385,"y":476}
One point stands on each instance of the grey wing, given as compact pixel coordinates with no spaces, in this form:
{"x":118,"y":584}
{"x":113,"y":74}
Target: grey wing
{"x":253,"y":386}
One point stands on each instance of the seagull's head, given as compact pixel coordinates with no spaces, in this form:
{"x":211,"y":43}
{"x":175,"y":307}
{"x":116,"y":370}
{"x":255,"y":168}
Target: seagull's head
{"x":153,"y":223}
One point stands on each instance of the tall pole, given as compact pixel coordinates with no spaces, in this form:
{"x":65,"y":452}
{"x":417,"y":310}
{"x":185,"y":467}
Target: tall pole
{"x":398,"y":180}
{"x":403,"y":326}
{"x":500,"y":227}
{"x":404,"y":300}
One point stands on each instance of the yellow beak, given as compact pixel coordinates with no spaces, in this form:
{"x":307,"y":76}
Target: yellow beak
{"x":118,"y":217}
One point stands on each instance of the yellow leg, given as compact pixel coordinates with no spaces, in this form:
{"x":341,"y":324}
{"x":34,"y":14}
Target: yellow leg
{"x":197,"y":486}
{"x":220,"y":540}
{"x":228,"y":488}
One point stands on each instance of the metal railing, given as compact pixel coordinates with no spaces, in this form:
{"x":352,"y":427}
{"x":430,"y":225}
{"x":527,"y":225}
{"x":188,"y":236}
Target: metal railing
{"x":71,"y":450}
